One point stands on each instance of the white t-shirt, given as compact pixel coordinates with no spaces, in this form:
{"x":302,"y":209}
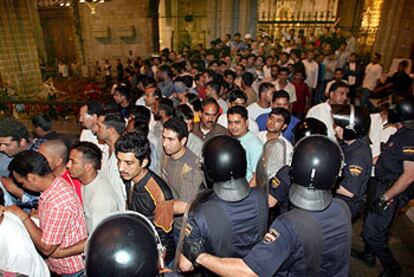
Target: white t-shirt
{"x":223,"y":105}
{"x":311,"y":69}
{"x":253,"y":127}
{"x":372,"y":73}
{"x":111,"y":173}
{"x":266,"y":72}
{"x":87,"y":135}
{"x":378,"y":133}
{"x":289,"y":147}
{"x":17,"y":252}
{"x":99,"y":201}
{"x":289,"y":89}
{"x":254,"y":110}
{"x":322,"y":112}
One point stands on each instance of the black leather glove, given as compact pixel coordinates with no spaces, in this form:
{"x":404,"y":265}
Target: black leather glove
{"x":192,"y":249}
{"x":379,"y":205}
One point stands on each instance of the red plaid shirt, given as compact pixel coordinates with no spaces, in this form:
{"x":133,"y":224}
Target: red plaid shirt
{"x":62,"y":223}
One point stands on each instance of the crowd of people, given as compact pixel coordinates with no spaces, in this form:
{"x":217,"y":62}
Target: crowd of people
{"x":212,"y":145}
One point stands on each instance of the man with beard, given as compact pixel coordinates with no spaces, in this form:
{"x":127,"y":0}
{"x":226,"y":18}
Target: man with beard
{"x":338,"y":94}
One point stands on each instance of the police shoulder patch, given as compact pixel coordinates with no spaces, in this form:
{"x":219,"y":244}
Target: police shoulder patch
{"x":271,"y":236}
{"x":275,"y":182}
{"x":408,"y":150}
{"x":355,"y":170}
{"x":188,"y":230}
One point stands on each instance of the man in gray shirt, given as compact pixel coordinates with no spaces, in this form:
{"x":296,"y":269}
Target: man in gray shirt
{"x":180,"y":167}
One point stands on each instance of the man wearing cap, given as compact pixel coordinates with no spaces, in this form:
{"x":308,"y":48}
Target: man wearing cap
{"x":180,"y":91}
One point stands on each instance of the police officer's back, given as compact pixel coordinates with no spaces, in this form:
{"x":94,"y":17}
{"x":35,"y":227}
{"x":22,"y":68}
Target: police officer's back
{"x":313,"y":239}
{"x":279,"y":185}
{"x":232,"y":217}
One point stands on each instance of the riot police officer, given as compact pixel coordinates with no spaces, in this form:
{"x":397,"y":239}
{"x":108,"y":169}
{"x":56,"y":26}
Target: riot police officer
{"x":229,"y":219}
{"x":313,"y":239}
{"x":394,"y":173}
{"x":124,"y":244}
{"x":279,"y":185}
{"x":352,"y":126}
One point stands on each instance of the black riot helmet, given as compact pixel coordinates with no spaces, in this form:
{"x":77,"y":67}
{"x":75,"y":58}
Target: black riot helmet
{"x":124,"y":244}
{"x":316,"y":164}
{"x":308,"y":126}
{"x":354,"y":120}
{"x":225,"y":166}
{"x":402,"y":110}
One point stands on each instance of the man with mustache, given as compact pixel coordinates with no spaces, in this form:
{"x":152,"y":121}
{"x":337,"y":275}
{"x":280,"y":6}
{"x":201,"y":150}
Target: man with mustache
{"x":208,"y":126}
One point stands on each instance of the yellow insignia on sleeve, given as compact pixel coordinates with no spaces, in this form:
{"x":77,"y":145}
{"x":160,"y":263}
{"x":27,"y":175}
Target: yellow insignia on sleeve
{"x":355,"y":170}
{"x":275,"y":182}
{"x":271,"y":236}
{"x":408,"y":150}
{"x":188,"y":230}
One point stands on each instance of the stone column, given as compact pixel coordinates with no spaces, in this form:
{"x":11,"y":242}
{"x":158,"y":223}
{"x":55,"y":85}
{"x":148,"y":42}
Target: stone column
{"x":19,"y":58}
{"x":394,"y":38}
{"x":350,"y":12}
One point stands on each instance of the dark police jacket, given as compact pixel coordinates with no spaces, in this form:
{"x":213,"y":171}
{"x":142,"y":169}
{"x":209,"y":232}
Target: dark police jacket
{"x":229,"y":229}
{"x":285,"y":252}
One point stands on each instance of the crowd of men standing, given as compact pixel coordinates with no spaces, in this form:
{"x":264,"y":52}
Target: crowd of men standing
{"x":227,"y":121}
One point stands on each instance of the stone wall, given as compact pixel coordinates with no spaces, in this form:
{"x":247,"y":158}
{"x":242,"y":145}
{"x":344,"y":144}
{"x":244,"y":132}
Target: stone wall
{"x":395,"y":35}
{"x":210,"y":20}
{"x":19,"y":58}
{"x":117,"y":27}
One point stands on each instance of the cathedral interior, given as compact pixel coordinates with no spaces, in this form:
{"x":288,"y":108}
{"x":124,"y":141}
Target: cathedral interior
{"x":56,"y":54}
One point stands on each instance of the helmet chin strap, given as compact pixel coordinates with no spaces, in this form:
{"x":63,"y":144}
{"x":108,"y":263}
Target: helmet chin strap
{"x":351,"y":125}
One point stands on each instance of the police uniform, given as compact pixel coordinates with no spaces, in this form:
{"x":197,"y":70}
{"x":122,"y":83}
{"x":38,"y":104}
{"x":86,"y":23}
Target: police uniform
{"x":357,"y":171}
{"x":228,"y":229}
{"x":399,"y":148}
{"x":291,"y":249}
{"x":279,"y":189}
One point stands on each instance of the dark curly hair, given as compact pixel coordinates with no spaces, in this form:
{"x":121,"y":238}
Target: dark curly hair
{"x":134,"y":143}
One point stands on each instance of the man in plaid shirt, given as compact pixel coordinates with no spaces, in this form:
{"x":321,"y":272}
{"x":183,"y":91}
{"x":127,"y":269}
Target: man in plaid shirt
{"x":62,"y":233}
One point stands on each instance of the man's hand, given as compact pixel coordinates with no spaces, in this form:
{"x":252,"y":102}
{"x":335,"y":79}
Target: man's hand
{"x":380,"y":204}
{"x":185,"y":265}
{"x":18,"y":212}
{"x":192,"y":249}
{"x":11,"y":187}
{"x":34,"y":214}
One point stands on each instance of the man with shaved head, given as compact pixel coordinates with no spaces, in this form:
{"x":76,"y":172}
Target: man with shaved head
{"x":56,"y":154}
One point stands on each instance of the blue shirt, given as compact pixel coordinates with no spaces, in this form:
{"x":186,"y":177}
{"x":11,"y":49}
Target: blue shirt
{"x":253,"y":147}
{"x":29,"y":200}
{"x":261,"y":121}
{"x":281,"y":253}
